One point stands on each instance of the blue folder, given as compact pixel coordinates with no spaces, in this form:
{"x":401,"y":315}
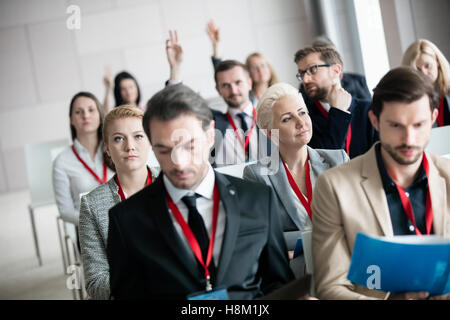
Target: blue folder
{"x":401,"y":263}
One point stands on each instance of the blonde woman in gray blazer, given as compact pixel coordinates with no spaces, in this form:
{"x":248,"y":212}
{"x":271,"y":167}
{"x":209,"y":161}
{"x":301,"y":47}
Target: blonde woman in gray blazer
{"x":128,"y":147}
{"x":283,"y":116}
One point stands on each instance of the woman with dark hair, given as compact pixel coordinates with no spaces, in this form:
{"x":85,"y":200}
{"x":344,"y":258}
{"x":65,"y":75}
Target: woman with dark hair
{"x":81,"y":167}
{"x":126,"y":90}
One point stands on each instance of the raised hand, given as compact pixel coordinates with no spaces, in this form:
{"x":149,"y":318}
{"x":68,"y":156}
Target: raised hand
{"x":174,"y":52}
{"x":108,"y":77}
{"x":213,"y":32}
{"x":338,"y":97}
{"x":214,"y":35}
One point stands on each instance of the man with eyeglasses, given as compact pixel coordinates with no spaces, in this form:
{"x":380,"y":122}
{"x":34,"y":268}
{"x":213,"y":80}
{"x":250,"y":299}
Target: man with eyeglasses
{"x":340,"y":121}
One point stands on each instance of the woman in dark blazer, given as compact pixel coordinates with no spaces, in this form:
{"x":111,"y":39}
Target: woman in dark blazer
{"x":292,"y":172}
{"x":128,"y":147}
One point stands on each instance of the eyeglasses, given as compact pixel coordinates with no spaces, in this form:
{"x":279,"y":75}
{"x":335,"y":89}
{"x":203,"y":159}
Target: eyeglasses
{"x":310,"y":71}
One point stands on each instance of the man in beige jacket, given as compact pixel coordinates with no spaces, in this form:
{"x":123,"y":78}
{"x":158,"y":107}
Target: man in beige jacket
{"x":363,"y":195}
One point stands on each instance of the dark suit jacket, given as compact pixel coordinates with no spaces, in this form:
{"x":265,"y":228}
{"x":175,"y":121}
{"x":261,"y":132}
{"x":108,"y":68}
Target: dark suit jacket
{"x":148,"y":259}
{"x":356,"y":85}
{"x":331,"y":133}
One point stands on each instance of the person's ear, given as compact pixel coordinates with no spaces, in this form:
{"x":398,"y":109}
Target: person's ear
{"x":211,"y":134}
{"x":434,"y":115}
{"x":374,"y":120}
{"x":337,"y":70}
{"x":107,"y":150}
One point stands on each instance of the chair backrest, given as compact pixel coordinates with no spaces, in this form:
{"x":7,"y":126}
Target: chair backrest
{"x":439,"y":141}
{"x":235,"y":170}
{"x":38,"y":159}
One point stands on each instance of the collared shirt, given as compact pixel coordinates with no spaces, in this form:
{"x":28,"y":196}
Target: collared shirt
{"x":231,"y":151}
{"x":71,"y":179}
{"x":204,"y":207}
{"x":417,"y":193}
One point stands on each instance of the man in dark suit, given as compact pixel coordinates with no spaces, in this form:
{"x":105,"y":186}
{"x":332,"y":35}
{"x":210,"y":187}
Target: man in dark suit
{"x":193,"y":229}
{"x":340,"y":121}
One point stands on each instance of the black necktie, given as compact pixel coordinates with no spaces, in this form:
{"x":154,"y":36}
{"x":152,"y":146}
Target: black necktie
{"x":197,"y":225}
{"x":244,"y":127}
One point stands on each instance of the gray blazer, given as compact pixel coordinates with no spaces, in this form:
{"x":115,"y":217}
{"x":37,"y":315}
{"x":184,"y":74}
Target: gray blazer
{"x":320,"y":160}
{"x":93,"y":235}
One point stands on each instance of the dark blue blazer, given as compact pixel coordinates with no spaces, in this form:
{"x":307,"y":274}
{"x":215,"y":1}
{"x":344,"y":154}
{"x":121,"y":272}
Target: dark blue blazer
{"x":331,"y":133}
{"x":356,"y":85}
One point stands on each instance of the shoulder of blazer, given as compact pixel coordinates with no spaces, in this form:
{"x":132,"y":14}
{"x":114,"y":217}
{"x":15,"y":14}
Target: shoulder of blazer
{"x":221,"y":121}
{"x":240,"y":184}
{"x":139,"y":201}
{"x":331,"y":157}
{"x":109,"y":189}
{"x":442,"y":164}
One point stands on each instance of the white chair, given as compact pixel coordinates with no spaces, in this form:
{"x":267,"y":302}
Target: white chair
{"x":38,"y":159}
{"x":439,"y":141}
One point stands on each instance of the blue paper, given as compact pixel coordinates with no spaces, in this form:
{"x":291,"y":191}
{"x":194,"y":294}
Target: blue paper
{"x":298,"y":250}
{"x":218,"y":294}
{"x":402,"y":263}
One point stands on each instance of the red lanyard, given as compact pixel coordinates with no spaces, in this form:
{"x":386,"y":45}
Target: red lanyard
{"x":120,"y":191}
{"x":440,"y":118}
{"x":190,"y":236}
{"x":306,"y":203}
{"x":89,"y":169}
{"x":348,"y":139}
{"x":247,"y":138}
{"x":407,"y":207}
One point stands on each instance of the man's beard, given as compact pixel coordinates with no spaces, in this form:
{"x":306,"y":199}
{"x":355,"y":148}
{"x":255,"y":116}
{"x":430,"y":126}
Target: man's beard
{"x":319,"y":94}
{"x":393,"y":152}
{"x":234,"y":104}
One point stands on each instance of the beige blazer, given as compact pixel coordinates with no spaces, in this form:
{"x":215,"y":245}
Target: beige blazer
{"x":351,"y":199}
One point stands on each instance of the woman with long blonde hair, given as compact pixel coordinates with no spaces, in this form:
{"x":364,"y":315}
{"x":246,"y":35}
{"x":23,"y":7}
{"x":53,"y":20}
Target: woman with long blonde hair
{"x":426,"y":57}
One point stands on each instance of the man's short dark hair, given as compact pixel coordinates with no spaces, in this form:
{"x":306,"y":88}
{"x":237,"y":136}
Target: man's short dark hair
{"x":227,"y":65}
{"x":327,"y":54}
{"x":174,"y":101}
{"x":403,"y":84}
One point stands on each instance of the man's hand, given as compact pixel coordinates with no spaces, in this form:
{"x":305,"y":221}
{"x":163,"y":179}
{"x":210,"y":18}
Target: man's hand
{"x":214,"y":35}
{"x":409,"y":295}
{"x":174,"y":52}
{"x":338,"y":97}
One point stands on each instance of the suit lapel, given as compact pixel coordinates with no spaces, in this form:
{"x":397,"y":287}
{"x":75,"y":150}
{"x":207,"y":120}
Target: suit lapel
{"x":318,"y":165}
{"x":282,"y":187}
{"x":373,"y":188}
{"x":158,"y":210}
{"x":230,"y":201}
{"x":438,"y":194}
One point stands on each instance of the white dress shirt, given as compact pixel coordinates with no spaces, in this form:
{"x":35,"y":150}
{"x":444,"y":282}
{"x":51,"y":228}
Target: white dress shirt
{"x":231,"y":150}
{"x":71,"y":179}
{"x":204,"y":207}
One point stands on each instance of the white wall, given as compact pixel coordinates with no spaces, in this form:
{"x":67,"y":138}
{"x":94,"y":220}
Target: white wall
{"x":43,"y":63}
{"x":408,"y":20}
